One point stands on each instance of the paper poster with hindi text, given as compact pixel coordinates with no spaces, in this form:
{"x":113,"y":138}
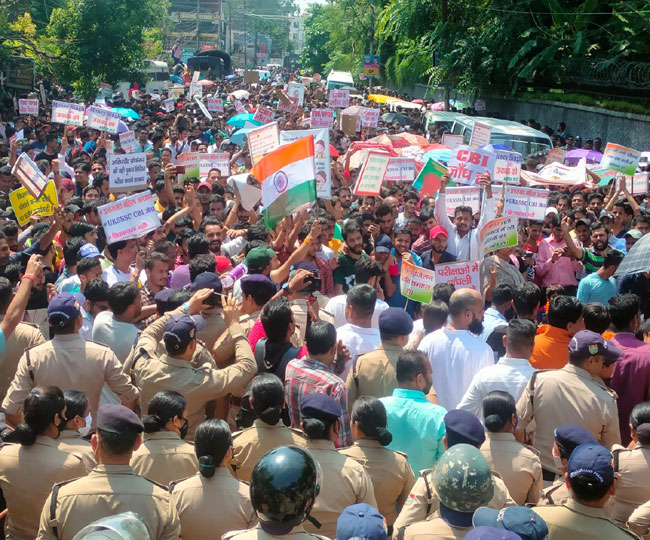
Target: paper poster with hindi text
{"x":297,"y":90}
{"x":452,"y":141}
{"x":322,"y":167}
{"x":129,"y":218}
{"x":621,"y":159}
{"x":127,"y":171}
{"x":263,"y":140}
{"x":639,"y":184}
{"x":416,"y":283}
{"x":28,"y":107}
{"x":499,"y":233}
{"x":507,"y":167}
{"x":215,"y":105}
{"x":24,"y":204}
{"x":169,"y":105}
{"x":29,"y":175}
{"x":189,"y":160}
{"x":103,"y":119}
{"x":217,"y":160}
{"x":321,"y":118}
{"x":480,"y":135}
{"x":70,"y":114}
{"x":369,"y":117}
{"x":462,"y":275}
{"x":339,"y":99}
{"x":467,"y":163}
{"x":463,"y":196}
{"x":525,"y":203}
{"x":400,"y":169}
{"x":263,"y":115}
{"x":372,"y":174}
{"x":128,"y":142}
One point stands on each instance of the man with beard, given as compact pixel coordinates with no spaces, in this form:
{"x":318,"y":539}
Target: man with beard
{"x":592,"y":257}
{"x":344,"y":275}
{"x":454,"y":351}
{"x":156,"y":267}
{"x":402,"y":251}
{"x":345,"y":196}
{"x":438,"y":252}
{"x":211,"y":227}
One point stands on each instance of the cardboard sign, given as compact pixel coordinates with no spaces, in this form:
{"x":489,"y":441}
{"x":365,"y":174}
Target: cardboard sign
{"x":28,"y":106}
{"x":29,"y":175}
{"x":463,"y":275}
{"x":263,"y":140}
{"x":467,"y":163}
{"x":480,"y":135}
{"x":555,"y":155}
{"x":219,"y":160}
{"x":339,"y":99}
{"x":251,"y":76}
{"x":127,"y":171}
{"x":639,"y":184}
{"x":297,"y":90}
{"x":196,"y":90}
{"x":321,"y":118}
{"x":71,"y":114}
{"x":463,"y":196}
{"x":215,"y":104}
{"x":169,"y":105}
{"x":189,"y":160}
{"x":103,"y":119}
{"x":400,"y":169}
{"x":239,"y":107}
{"x":263,"y":115}
{"x":128,"y":142}
{"x":452,"y":141}
{"x":369,"y":117}
{"x":507,"y":167}
{"x":349,"y":124}
{"x":372,"y":174}
{"x":321,"y":157}
{"x":525,"y":203}
{"x":24,"y":204}
{"x":416,"y":283}
{"x":621,"y":159}
{"x":499,"y":233}
{"x":129,"y":218}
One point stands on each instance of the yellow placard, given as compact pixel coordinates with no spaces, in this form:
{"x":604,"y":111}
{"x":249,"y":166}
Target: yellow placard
{"x":25,"y":205}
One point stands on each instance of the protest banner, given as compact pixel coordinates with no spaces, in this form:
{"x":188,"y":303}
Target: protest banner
{"x":621,"y":159}
{"x":349,"y":124}
{"x":297,"y":90}
{"x":462,"y":275}
{"x":176,"y":91}
{"x":215,"y":104}
{"x":189,"y":160}
{"x":467,"y":163}
{"x":416,"y":283}
{"x":290,"y":105}
{"x":562,"y":175}
{"x":239,"y":107}
{"x":555,"y":155}
{"x":263,"y":140}
{"x":169,"y":105}
{"x":28,"y":106}
{"x":321,"y":118}
{"x":203,"y":108}
{"x":103,"y":119}
{"x":196,"y":90}
{"x":400,"y":169}
{"x":263,"y":115}
{"x":322,"y":166}
{"x":251,"y":76}
{"x":29,"y":175}
{"x":339,"y":99}
{"x":369,"y":117}
{"x":452,"y":141}
{"x":526,"y":203}
{"x":127,"y":171}
{"x":480,"y":135}
{"x":463,"y":196}
{"x":128,"y":142}
{"x":71,"y":114}
{"x":219,"y":160}
{"x":24,"y":204}
{"x":129,"y":218}
{"x":249,"y":195}
{"x":498,"y":233}
{"x":639,"y":184}
{"x":429,"y":178}
{"x":372,"y":174}
{"x":507,"y":167}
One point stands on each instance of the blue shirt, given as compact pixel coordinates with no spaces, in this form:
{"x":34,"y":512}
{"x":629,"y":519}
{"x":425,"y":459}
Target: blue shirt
{"x":417,"y":426}
{"x":3,"y":343}
{"x":593,"y":288}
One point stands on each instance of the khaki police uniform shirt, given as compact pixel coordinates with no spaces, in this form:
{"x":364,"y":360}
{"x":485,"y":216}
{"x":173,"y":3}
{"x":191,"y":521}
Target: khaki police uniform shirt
{"x":575,"y":521}
{"x":164,"y":457}
{"x":556,"y":493}
{"x":518,"y":465}
{"x":435,"y":529}
{"x":390,"y":473}
{"x":344,"y":482}
{"x":210,"y":507}
{"x":423,"y":502}
{"x":250,"y":444}
{"x":639,"y":521}
{"x":567,"y":396}
{"x":633,"y":481}
{"x":70,"y":442}
{"x":106,"y":491}
{"x":27,"y":474}
{"x":214,"y":327}
{"x":223,"y":349}
{"x":71,"y":363}
{"x":297,"y":533}
{"x":24,"y":336}
{"x":373,"y":373}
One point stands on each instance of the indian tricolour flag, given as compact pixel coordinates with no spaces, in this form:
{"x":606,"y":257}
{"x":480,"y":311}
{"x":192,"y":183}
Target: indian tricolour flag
{"x":288,"y":179}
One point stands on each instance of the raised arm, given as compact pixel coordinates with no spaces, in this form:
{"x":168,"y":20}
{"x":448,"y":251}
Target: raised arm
{"x":573,"y":250}
{"x":440,"y":210}
{"x":17,"y":306}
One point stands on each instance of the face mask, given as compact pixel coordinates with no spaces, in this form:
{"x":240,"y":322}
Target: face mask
{"x":558,"y":462}
{"x":185,"y":429}
{"x":476,"y":327}
{"x":86,"y":429}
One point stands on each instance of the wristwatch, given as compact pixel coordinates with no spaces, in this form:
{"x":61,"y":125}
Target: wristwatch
{"x":186,"y":307}
{"x":285,"y":288}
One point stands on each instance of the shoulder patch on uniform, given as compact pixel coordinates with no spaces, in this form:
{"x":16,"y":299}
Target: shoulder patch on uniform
{"x":65,"y":482}
{"x":532,"y":449}
{"x":156,"y":483}
{"x":425,"y":472}
{"x":404,"y":455}
{"x":298,"y":432}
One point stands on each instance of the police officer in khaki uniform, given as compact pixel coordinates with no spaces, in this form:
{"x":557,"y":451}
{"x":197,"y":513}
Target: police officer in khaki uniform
{"x":575,"y":394}
{"x":112,"y":487}
{"x":69,"y":439}
{"x":195,"y":497}
{"x":461,"y":427}
{"x":373,"y":373}
{"x":639,"y":521}
{"x":590,"y":475}
{"x":268,"y":430}
{"x":69,"y":362}
{"x":213,"y":317}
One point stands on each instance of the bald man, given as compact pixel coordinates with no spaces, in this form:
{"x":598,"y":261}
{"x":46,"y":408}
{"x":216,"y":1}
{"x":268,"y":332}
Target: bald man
{"x":455,"y":352}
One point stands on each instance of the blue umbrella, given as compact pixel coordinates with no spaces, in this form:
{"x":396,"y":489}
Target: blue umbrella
{"x":231,"y":77}
{"x":238,"y":137}
{"x":127,"y":113}
{"x":240,"y":119}
{"x":441,"y":154}
{"x":176,"y":79}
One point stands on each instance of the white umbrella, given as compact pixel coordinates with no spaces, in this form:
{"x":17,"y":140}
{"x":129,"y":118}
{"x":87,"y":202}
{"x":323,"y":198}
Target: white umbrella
{"x":240,"y":94}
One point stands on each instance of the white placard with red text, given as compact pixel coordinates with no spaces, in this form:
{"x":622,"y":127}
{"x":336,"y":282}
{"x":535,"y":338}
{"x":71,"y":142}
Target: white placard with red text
{"x":215,"y":104}
{"x":369,"y":117}
{"x":339,"y":99}
{"x":321,"y":118}
{"x":263,"y":115}
{"x":480,"y":135}
{"x":463,"y":275}
{"x":467,"y":163}
{"x":28,"y":106}
{"x":103,"y":119}
{"x":129,"y":218}
{"x":71,"y":114}
{"x":219,"y":160}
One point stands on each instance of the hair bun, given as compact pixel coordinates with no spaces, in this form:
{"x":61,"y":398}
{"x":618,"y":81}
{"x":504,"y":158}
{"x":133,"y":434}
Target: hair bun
{"x":207,"y":466}
{"x":494,"y":422}
{"x":384,"y":436}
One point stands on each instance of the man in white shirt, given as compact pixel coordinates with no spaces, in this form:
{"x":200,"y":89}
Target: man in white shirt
{"x":455,"y":353}
{"x":463,"y":241}
{"x":495,"y":318}
{"x":123,"y":253}
{"x":358,"y":335}
{"x":511,"y":374}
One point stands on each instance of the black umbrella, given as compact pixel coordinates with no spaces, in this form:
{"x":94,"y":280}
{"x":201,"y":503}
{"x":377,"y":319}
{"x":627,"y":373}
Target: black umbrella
{"x":391,"y":117}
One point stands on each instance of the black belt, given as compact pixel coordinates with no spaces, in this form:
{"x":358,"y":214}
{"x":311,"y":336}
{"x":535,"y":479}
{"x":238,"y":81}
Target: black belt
{"x":548,"y":476}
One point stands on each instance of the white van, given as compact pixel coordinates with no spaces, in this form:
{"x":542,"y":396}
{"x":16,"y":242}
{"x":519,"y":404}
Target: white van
{"x":433,"y":120}
{"x":337,"y":79}
{"x":156,"y":76}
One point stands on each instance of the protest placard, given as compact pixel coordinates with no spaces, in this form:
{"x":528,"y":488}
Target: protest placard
{"x":416,"y":283}
{"x":196,"y":90}
{"x":463,"y":196}
{"x":71,"y":114}
{"x":639,"y":184}
{"x":218,"y":160}
{"x":169,"y":105}
{"x":129,"y":218}
{"x":263,"y":140}
{"x":290,"y":105}
{"x":297,"y":90}
{"x":400,"y":169}
{"x":562,"y":175}
{"x":103,"y":119}
{"x":349,"y":124}
{"x":176,"y":91}
{"x":555,"y":155}
{"x":339,"y":99}
{"x":239,"y":107}
{"x":127,"y":171}
{"x":499,"y":233}
{"x":189,"y":160}
{"x":251,"y":76}
{"x":429,"y":178}
{"x":28,"y":106}
{"x":128,"y":142}
{"x":203,"y":108}
{"x":462,"y":275}
{"x":24,"y":204}
{"x":321,"y":118}
{"x":480,"y":135}
{"x":322,"y":166}
{"x":507,"y":167}
{"x":109,"y":146}
{"x":369,"y":117}
{"x":249,"y":195}
{"x":29,"y":175}
{"x":526,"y":203}
{"x":372,"y":174}
{"x":621,"y":159}
{"x":215,"y":104}
{"x":263,"y":115}
{"x":452,"y":141}
{"x":467,"y":163}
